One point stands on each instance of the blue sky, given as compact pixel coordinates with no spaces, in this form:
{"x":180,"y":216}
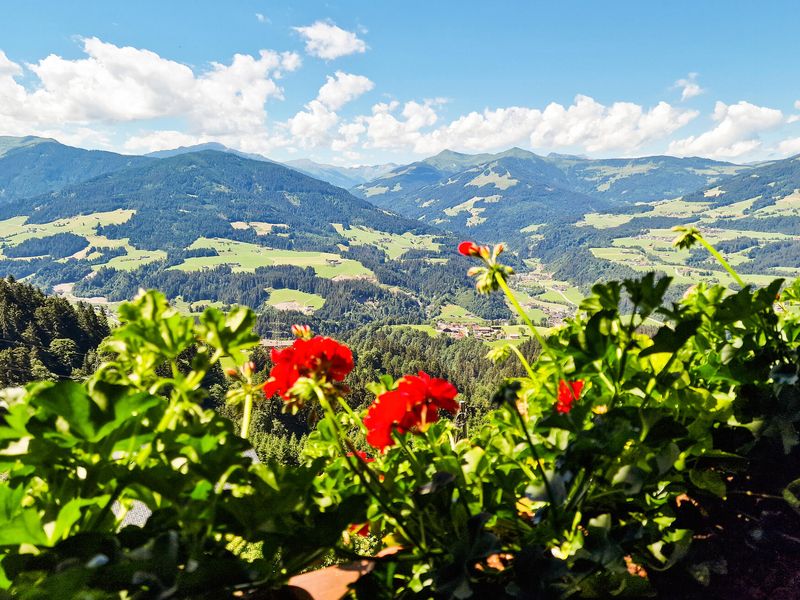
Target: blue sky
{"x":364,"y":82}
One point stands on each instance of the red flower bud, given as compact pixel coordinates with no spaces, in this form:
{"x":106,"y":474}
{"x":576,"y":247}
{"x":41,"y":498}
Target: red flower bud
{"x":231,"y":372}
{"x":302,"y":332}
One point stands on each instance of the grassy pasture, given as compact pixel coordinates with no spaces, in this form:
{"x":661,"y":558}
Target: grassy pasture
{"x":393,"y":244}
{"x":246,"y":257}
{"x":603,"y":221}
{"x":457,"y":314}
{"x":16,"y":230}
{"x":285,"y":298}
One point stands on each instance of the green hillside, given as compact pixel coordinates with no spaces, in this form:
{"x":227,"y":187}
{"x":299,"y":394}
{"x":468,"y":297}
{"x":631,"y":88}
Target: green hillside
{"x":217,"y":228}
{"x":31,"y":166}
{"x":501,"y":196}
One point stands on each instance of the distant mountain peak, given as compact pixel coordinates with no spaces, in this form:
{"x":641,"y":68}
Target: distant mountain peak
{"x":9,"y":143}
{"x":567,"y":156}
{"x":344,"y":177}
{"x":215,"y":146}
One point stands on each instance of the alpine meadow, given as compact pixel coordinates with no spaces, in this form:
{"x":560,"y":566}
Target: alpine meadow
{"x":422,"y":301}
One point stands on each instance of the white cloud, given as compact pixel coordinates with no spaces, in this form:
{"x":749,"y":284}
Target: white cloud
{"x":326,"y":40}
{"x":115,"y":85}
{"x":384,"y":130}
{"x":8,"y":68}
{"x":735,"y":134}
{"x":349,"y":134}
{"x":309,"y":128}
{"x":621,"y":127}
{"x":134,"y":99}
{"x":261,"y":18}
{"x":585,"y":125}
{"x":689,"y":87}
{"x":342,"y":88}
{"x":789,"y":147}
{"x":162,"y":140}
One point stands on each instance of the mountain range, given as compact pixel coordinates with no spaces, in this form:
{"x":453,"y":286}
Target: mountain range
{"x":186,"y":196}
{"x":30,"y":166}
{"x":344,"y":177}
{"x":490,"y":195}
{"x":213,"y":224}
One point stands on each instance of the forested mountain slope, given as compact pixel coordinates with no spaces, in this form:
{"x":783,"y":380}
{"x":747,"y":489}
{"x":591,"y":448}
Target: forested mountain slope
{"x":31,"y":166}
{"x":45,"y":337}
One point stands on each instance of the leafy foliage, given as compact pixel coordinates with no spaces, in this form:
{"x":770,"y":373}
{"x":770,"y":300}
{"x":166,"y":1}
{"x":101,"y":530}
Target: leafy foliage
{"x":625,"y":460}
{"x":76,"y":456}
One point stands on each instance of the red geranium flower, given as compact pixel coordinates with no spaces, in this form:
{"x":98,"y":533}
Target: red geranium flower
{"x":413,"y":405}
{"x":469,"y":249}
{"x":319,"y":358}
{"x":568,"y":392}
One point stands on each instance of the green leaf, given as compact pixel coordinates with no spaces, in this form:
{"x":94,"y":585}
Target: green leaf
{"x":69,"y":401}
{"x":791,"y":494}
{"x":670,"y":341}
{"x":710,"y":481}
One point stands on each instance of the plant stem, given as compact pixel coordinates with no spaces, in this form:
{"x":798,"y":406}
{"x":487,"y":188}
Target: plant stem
{"x":523,"y":360}
{"x":363,"y":470}
{"x":549,"y":490}
{"x":721,"y":260}
{"x":510,"y":295}
{"x":247,"y":416}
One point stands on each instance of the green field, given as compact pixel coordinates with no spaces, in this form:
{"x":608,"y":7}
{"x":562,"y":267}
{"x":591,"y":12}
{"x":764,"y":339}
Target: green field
{"x":287,"y":299}
{"x":393,"y":244}
{"x":569,"y":296}
{"x":603,"y":221}
{"x":245,"y":257}
{"x":429,"y":329}
{"x":457,"y":314}
{"x":16,"y":230}
{"x":196,"y":307}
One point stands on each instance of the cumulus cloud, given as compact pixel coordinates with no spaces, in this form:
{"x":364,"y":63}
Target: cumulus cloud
{"x":789,"y":147}
{"x":311,"y":127}
{"x":735,"y":134}
{"x":586,"y":125}
{"x":385,"y":129}
{"x":115,"y":85}
{"x":794,"y":118}
{"x":341,"y":88}
{"x":162,"y":140}
{"x":326,"y":40}
{"x":689,"y":87}
{"x":132,"y":98}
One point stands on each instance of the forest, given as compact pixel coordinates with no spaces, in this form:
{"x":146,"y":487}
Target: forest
{"x":46,"y":337}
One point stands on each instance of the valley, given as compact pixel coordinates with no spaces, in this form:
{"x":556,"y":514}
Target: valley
{"x":215,"y":227}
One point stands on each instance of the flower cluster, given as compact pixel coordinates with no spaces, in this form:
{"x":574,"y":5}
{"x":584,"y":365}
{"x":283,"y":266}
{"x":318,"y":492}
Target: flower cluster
{"x":568,"y":392}
{"x":321,"y":359}
{"x":412,"y":406}
{"x":486,"y":277}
